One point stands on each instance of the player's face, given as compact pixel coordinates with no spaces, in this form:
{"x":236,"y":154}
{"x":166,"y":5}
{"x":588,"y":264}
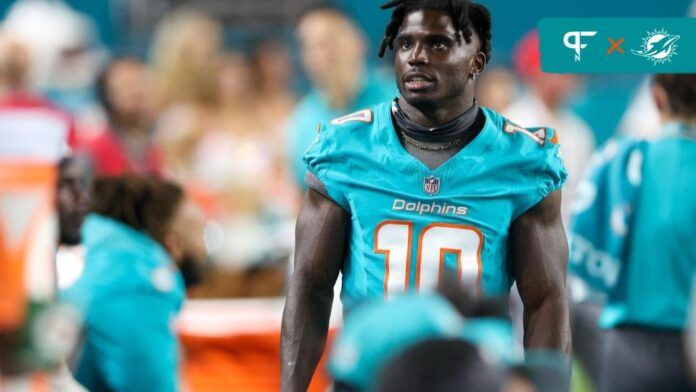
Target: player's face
{"x":433,"y":67}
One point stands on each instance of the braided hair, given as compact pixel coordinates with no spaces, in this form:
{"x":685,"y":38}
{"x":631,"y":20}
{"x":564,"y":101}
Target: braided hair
{"x":466,"y":15}
{"x":145,"y":203}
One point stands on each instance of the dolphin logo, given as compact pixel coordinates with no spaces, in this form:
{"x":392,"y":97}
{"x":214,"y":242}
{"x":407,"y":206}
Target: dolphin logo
{"x":659,"y":46}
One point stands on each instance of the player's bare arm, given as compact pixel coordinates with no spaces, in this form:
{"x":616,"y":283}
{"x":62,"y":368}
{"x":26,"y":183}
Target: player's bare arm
{"x":321,"y":232}
{"x":540,"y":254}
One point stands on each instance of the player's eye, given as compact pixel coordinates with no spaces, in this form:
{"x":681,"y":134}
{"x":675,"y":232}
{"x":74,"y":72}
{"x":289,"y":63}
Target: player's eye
{"x":405,"y":45}
{"x":440,"y":45}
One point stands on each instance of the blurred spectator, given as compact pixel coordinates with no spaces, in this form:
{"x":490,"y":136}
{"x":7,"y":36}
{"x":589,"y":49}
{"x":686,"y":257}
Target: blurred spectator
{"x":237,"y":162}
{"x":186,"y":56}
{"x":65,"y":56}
{"x":46,"y":131}
{"x":73,"y":197}
{"x":212,"y":159}
{"x":333,"y":53}
{"x":125,"y":91}
{"x":440,"y":365}
{"x":369,"y":353}
{"x":641,"y":119}
{"x":368,"y":339}
{"x":273,"y":71}
{"x":74,"y":188}
{"x":221,"y":140}
{"x":544,"y":105}
{"x":496,"y":89}
{"x":142,"y":235}
{"x":34,"y":136}
{"x":633,"y":242}
{"x":185,"y":52}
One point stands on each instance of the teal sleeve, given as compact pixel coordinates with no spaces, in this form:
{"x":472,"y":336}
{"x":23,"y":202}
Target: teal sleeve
{"x":553,"y":173}
{"x":323,"y":159}
{"x":130,"y":344}
{"x":545,"y":172}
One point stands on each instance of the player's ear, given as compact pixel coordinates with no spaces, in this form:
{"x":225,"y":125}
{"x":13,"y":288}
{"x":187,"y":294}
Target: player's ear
{"x":478,"y":62}
{"x":660,"y":98}
{"x":174,"y":245}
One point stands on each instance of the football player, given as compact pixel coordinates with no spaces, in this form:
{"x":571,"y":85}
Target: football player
{"x":401,"y":191}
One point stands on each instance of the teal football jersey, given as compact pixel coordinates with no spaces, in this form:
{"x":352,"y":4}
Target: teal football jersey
{"x":655,"y":286}
{"x":409,"y":222}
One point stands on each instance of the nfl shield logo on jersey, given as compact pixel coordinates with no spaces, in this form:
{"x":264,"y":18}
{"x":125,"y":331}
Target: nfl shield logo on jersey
{"x":431,"y":185}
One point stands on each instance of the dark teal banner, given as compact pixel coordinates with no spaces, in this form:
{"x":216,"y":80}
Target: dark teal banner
{"x":618,"y":45}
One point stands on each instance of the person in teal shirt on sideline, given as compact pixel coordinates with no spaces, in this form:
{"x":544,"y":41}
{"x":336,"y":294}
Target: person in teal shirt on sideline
{"x":633,"y":240}
{"x":141,"y":253}
{"x":333,"y":52}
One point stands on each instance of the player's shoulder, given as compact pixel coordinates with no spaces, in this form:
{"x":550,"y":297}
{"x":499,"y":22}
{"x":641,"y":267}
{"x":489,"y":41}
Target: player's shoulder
{"x":521,"y":141}
{"x":344,"y":138}
{"x":530,"y":157}
{"x":352,"y":132}
{"x":363,"y":120}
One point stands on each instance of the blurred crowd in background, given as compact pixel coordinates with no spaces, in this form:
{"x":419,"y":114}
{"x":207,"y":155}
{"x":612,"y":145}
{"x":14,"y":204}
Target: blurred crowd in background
{"x":227,"y":109}
{"x":224,"y":108}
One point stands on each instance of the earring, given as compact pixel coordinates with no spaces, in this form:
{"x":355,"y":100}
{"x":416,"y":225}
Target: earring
{"x":473,"y":76}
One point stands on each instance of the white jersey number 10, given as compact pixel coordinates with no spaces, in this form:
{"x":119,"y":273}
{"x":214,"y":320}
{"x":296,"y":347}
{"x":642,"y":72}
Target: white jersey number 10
{"x":394,"y":239}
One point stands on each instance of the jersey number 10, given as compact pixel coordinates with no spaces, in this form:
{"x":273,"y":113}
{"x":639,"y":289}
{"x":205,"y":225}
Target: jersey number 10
{"x":394,"y":239}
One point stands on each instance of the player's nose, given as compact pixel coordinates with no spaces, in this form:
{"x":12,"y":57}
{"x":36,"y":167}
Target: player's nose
{"x":418,"y":55}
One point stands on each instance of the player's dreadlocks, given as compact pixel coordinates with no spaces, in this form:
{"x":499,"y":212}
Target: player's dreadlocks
{"x":465,"y":14}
